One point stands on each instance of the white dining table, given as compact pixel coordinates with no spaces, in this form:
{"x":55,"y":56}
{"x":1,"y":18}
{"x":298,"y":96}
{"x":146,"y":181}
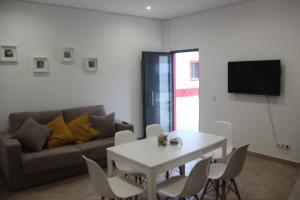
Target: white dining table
{"x":147,"y":157}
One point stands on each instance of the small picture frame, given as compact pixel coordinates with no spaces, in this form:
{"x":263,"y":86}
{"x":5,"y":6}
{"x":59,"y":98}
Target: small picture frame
{"x":8,"y":53}
{"x":91,"y":64}
{"x":40,"y":65}
{"x":67,"y":54}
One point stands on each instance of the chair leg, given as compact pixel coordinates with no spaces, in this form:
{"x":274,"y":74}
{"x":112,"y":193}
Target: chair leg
{"x":217,"y":189}
{"x":167,"y":174}
{"x":223,"y":190}
{"x":205,"y":189}
{"x":102,"y":198}
{"x":196,"y":197}
{"x":236,"y":189}
{"x":182,"y":170}
{"x":157,"y":196}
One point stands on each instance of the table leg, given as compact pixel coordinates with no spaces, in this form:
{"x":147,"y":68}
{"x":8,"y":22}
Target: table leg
{"x":151,"y":179}
{"x":224,"y":150}
{"x":109,"y":166}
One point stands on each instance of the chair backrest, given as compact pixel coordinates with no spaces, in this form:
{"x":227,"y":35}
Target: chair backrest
{"x":123,"y":137}
{"x":236,"y":162}
{"x":99,"y":179}
{"x":197,"y":178}
{"x":223,"y":128}
{"x":153,"y":130}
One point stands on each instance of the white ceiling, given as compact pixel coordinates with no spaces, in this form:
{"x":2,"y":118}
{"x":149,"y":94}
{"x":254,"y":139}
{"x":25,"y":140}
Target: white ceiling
{"x":161,"y":9}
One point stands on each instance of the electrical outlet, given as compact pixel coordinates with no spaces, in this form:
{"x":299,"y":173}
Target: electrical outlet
{"x":283,"y":146}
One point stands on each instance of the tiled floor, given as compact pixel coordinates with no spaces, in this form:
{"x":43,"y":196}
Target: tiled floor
{"x":295,"y":195}
{"x":261,"y":179}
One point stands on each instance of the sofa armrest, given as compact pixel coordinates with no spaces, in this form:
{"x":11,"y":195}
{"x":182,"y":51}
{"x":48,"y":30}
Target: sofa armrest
{"x":11,"y":160}
{"x":122,"y":125}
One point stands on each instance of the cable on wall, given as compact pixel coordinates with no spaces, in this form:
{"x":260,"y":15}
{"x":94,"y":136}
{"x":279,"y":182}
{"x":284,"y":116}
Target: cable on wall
{"x":271,"y":119}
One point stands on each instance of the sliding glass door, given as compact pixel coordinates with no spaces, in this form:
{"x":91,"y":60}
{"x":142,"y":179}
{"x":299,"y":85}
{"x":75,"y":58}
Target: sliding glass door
{"x":157,"y":80}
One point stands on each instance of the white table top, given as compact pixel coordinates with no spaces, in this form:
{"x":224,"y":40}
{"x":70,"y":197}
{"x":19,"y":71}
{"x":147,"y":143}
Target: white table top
{"x":147,"y":152}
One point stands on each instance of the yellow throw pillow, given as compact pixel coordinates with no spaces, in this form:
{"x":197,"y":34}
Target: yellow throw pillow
{"x":61,"y":134}
{"x":82,"y":130}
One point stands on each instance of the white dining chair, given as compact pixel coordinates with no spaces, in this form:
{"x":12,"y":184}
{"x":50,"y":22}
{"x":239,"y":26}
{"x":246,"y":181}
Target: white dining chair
{"x":113,"y":187}
{"x":153,"y":130}
{"x":123,"y":137}
{"x":222,"y":128}
{"x":186,"y":186}
{"x":226,"y":173}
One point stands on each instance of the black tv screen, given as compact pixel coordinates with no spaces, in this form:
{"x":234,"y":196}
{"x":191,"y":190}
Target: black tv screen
{"x":254,"y":77}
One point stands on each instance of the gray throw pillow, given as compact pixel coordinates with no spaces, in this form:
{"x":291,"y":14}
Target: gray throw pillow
{"x":33,"y":135}
{"x":104,"y":124}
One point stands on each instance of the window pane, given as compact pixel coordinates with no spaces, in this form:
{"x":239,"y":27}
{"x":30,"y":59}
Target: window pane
{"x":194,"y":70}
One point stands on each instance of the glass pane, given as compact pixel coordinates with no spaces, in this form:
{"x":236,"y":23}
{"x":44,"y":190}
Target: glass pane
{"x":164,"y":92}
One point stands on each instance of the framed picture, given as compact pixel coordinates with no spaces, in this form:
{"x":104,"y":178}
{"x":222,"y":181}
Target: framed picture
{"x":40,"y":65}
{"x":67,"y":54}
{"x":8,"y":53}
{"x":91,"y":64}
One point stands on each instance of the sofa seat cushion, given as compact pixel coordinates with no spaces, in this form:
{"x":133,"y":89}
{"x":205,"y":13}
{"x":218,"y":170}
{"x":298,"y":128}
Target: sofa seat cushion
{"x":49,"y":159}
{"x":96,"y":149}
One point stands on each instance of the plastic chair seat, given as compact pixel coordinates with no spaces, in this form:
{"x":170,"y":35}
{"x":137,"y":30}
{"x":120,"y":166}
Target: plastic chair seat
{"x":113,"y":187}
{"x":186,"y":186}
{"x":123,"y":189}
{"x":123,"y":137}
{"x":172,"y":187}
{"x":125,"y":170}
{"x":216,"y":170}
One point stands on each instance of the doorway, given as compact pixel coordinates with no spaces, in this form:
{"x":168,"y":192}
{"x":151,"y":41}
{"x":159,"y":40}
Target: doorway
{"x":186,"y":89}
{"x":170,"y":82}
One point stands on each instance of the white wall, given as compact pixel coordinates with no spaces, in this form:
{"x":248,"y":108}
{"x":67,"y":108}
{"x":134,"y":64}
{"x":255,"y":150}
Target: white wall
{"x":254,"y":30}
{"x":40,"y":30}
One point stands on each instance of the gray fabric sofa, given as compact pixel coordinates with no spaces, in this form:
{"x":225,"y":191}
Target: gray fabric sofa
{"x":23,"y":168}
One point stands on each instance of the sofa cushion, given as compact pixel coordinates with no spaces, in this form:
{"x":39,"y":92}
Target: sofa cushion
{"x":72,"y":113}
{"x":96,"y":149}
{"x":49,"y":159}
{"x":61,"y":133}
{"x":33,"y":135}
{"x":17,"y":119}
{"x":104,"y":124}
{"x":81,"y":129}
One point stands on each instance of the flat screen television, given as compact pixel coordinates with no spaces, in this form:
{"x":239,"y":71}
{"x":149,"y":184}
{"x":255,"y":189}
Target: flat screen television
{"x":254,"y":77}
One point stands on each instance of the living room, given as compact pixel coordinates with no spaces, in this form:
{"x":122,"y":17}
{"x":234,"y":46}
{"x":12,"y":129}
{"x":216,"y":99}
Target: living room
{"x":114,"y":38}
